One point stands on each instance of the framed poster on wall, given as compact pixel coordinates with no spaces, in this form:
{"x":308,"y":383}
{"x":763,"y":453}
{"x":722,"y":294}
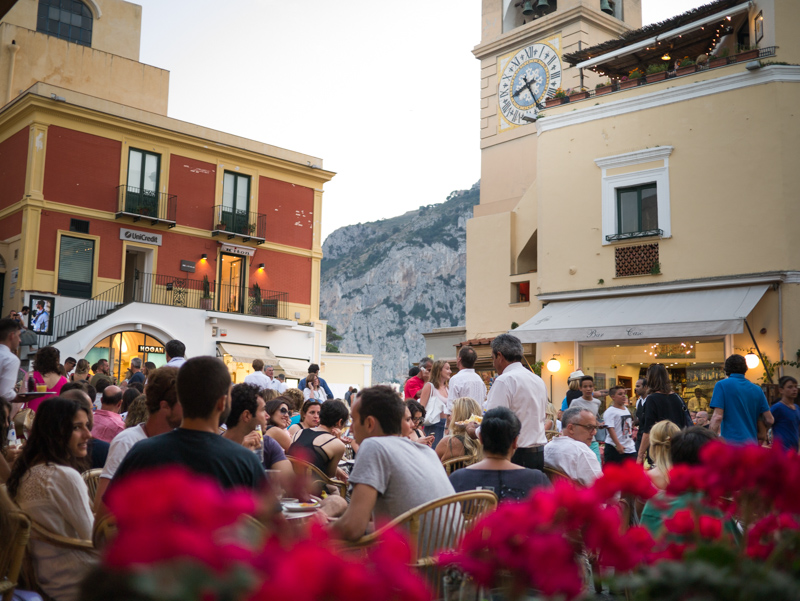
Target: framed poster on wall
{"x":41,"y":318}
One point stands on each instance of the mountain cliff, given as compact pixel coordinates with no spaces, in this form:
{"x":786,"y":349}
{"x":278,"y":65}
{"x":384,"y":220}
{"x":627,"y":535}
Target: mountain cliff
{"x":384,"y":283}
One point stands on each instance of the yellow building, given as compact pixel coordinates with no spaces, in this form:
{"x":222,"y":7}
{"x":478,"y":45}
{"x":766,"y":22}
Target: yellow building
{"x":136,"y":228}
{"x":650,"y":219}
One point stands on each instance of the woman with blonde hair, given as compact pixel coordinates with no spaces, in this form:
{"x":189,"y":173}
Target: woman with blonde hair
{"x":81,"y":371}
{"x":433,"y":397}
{"x":660,"y":444}
{"x":457,"y":443}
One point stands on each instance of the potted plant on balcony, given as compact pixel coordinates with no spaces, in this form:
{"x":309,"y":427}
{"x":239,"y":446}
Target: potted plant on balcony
{"x":656,"y":72}
{"x":579,"y":94}
{"x":604,"y":87}
{"x":633,"y":79}
{"x":560,"y":97}
{"x":206,"y":302}
{"x":746,"y":53}
{"x":255,"y":306}
{"x":719,"y":61}
{"x":685,"y":67}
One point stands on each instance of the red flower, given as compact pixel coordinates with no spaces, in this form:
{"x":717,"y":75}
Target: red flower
{"x":628,"y":479}
{"x":681,"y":522}
{"x":710,"y":528}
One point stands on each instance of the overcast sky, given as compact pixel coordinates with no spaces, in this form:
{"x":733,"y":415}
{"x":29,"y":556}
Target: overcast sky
{"x":386,"y":93}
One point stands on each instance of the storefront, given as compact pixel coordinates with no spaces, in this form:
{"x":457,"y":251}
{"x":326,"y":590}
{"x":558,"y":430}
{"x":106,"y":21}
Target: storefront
{"x":119,"y":348}
{"x":239,"y":360}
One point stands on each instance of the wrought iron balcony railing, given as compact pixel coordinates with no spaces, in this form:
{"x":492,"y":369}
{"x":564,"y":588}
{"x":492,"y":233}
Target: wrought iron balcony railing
{"x":156,"y":207}
{"x":231,"y":222}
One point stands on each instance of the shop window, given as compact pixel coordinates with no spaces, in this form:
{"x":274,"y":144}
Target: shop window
{"x":636,"y":204}
{"x":521,"y":292}
{"x":75,"y":267}
{"x":235,"y":201}
{"x":141,"y":194}
{"x":69,"y":20}
{"x":118,"y":349}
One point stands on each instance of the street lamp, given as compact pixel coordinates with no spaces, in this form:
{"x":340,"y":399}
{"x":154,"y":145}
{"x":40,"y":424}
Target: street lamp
{"x":552,"y":366}
{"x":751,"y":359}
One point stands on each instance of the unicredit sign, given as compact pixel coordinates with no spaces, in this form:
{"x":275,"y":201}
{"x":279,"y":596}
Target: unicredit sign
{"x":145,"y":237}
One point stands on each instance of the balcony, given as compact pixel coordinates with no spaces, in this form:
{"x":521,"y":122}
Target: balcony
{"x":209,"y":295}
{"x":234,"y":223}
{"x":138,"y":204}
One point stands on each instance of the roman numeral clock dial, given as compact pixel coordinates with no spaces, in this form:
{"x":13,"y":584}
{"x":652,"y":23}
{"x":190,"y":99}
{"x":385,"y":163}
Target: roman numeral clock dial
{"x":530,"y":76}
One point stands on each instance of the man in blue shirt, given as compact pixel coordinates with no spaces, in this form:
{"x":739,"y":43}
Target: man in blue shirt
{"x":738,"y":404}
{"x":314,"y":369}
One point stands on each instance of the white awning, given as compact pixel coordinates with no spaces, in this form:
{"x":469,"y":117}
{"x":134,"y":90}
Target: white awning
{"x":245,"y":353}
{"x":294,"y":368}
{"x":714,"y":312}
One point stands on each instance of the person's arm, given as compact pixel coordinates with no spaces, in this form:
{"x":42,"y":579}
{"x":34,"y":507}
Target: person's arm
{"x":8,"y":381}
{"x":100,"y":508}
{"x":281,"y":437}
{"x":617,"y":444}
{"x":353,"y":523}
{"x":643,"y":446}
{"x":768,"y":418}
{"x":716,"y":420}
{"x":425,"y":395}
{"x":336,"y":449}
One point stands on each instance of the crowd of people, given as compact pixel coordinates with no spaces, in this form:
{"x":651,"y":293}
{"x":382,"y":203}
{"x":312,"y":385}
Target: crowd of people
{"x":188,"y":412}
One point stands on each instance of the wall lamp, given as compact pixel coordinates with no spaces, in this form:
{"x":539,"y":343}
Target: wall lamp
{"x":204,"y":257}
{"x":261,"y":266}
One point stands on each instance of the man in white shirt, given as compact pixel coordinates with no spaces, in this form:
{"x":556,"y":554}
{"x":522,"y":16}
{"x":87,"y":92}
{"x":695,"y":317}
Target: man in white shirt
{"x":165,"y":414}
{"x":10,"y":330}
{"x":525,"y":394}
{"x":176,"y":353}
{"x":466,"y":383}
{"x":283,"y":386}
{"x":258,"y":377}
{"x":570,"y":452}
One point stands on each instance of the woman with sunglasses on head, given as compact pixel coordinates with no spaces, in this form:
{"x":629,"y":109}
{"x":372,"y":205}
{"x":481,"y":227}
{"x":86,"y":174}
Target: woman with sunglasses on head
{"x":321,"y":446}
{"x":280,"y":416}
{"x":47,"y":486}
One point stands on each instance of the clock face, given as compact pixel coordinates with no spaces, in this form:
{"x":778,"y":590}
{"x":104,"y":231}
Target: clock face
{"x":530,"y":76}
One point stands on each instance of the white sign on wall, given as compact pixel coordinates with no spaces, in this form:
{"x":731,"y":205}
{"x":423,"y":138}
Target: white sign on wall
{"x":238,"y":250}
{"x":137,"y":236}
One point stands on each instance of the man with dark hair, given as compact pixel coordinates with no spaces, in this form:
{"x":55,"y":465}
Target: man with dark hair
{"x":164,"y":414}
{"x":136,"y":368}
{"x":640,"y":390}
{"x":525,"y":394}
{"x":416,"y":382}
{"x":389,"y":468}
{"x":738,"y":404}
{"x":203,"y":386}
{"x":107,"y":420}
{"x":10,"y":331}
{"x":314,"y":369}
{"x":41,"y":320}
{"x":101,"y":372}
{"x":69,"y":365}
{"x":465,"y":383}
{"x":258,"y":377}
{"x":175,"y":351}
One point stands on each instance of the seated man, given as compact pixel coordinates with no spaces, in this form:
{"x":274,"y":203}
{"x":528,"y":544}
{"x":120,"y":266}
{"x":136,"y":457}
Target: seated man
{"x":204,"y":390}
{"x":247,"y":412}
{"x":702,"y":419}
{"x":391,"y":474}
{"x":165,"y":414}
{"x":107,"y":420}
{"x":570,"y":452}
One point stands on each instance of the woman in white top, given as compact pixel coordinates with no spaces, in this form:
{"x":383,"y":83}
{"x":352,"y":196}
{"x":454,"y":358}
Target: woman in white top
{"x":47,"y":487}
{"x":313,"y":390}
{"x":434,"y":398}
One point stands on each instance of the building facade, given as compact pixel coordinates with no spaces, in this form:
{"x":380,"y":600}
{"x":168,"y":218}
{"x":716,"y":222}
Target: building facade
{"x":650,"y":219}
{"x":133,"y":228}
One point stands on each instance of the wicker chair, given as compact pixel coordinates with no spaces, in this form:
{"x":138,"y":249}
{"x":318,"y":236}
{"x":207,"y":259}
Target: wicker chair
{"x":555,"y":475}
{"x":303,"y":468}
{"x":456,"y":463}
{"x":435,"y":526}
{"x":104,"y":531}
{"x":12,"y":552}
{"x":92,"y":477}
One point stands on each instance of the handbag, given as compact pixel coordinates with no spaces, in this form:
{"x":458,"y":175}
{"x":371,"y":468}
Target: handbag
{"x":23,"y":422}
{"x":433,"y":412}
{"x":687,"y":417}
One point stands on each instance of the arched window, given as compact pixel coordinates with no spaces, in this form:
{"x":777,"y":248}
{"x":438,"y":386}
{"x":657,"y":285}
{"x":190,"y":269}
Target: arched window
{"x":69,"y":20}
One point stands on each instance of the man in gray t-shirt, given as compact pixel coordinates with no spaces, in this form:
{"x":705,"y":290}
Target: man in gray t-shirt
{"x":391,"y":474}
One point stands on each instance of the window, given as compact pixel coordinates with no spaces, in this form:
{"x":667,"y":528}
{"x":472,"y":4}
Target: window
{"x":69,"y":20}
{"x":75,"y":267}
{"x":79,"y":225}
{"x":141,"y":196}
{"x":235,"y":202}
{"x":636,"y":204}
{"x":637,"y":209}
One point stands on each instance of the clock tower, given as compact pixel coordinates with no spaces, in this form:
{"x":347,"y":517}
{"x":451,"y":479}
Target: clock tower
{"x":521,"y":49}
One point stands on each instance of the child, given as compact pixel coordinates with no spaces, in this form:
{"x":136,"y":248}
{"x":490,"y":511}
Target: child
{"x":786,"y":429}
{"x":619,"y":445}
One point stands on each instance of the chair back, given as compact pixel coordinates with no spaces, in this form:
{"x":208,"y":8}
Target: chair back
{"x":555,"y":475}
{"x":92,"y":477}
{"x":12,"y":552}
{"x":305,"y":469}
{"x":456,"y":463}
{"x":104,"y":531}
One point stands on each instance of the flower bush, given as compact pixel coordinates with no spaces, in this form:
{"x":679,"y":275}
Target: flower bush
{"x":637,"y":73}
{"x":180,"y":537}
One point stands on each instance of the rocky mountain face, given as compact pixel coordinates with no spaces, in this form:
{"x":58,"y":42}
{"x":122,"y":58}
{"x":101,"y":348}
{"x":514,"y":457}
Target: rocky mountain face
{"x":386,"y":282}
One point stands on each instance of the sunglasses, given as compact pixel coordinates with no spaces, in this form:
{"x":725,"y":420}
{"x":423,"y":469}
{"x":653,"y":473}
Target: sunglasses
{"x":284,"y":410}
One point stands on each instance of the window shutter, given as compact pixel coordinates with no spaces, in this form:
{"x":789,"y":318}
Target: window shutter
{"x":76,"y":260}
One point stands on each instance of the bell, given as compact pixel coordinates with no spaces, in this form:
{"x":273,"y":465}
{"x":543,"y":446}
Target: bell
{"x":543,"y":7}
{"x":605,"y":6}
{"x":527,"y":8}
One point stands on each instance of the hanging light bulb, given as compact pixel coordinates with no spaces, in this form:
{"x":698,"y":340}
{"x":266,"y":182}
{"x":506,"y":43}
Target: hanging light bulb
{"x":752,"y":360}
{"x":553,"y":365}
{"x":666,"y":56}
